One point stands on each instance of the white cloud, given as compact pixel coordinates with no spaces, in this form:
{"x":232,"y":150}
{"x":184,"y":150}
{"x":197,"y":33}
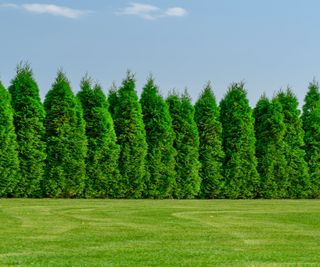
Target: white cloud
{"x":176,"y":12}
{"x":49,"y":9}
{"x":151,"y":12}
{"x":137,"y":9}
{"x":141,"y":10}
{"x":54,"y":10}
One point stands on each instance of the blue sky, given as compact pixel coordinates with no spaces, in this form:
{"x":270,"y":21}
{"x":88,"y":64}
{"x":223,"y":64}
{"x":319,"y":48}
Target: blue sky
{"x":184,"y":43}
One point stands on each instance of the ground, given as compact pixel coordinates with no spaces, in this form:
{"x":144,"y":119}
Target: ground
{"x":48,"y":232}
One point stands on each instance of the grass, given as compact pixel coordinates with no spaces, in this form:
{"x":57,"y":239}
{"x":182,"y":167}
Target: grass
{"x":159,"y":233}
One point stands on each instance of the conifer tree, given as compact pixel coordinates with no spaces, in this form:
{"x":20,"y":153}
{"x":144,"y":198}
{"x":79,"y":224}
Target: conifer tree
{"x":297,"y":169}
{"x":186,"y":144}
{"x":311,"y":126}
{"x":240,"y":164}
{"x":210,"y":152}
{"x":160,"y":137}
{"x":66,"y":141}
{"x":131,"y":137}
{"x":103,"y":152}
{"x":9,"y":162}
{"x":270,"y":148}
{"x":28,"y":121}
{"x":113,"y":99}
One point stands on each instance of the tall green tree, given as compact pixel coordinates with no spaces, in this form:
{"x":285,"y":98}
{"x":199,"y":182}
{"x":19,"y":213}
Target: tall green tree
{"x":240,"y":164}
{"x":297,"y":168}
{"x":131,"y":137}
{"x":270,"y":148}
{"x":9,"y":161}
{"x":160,"y":137}
{"x":103,"y":151}
{"x":66,"y":141}
{"x":113,"y":99}
{"x":28,"y":121}
{"x":211,"y":154}
{"x":311,"y":126}
{"x":186,"y":144}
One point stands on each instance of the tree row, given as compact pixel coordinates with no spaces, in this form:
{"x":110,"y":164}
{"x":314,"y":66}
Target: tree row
{"x":92,"y":146}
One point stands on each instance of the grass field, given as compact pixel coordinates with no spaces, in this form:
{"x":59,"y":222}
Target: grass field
{"x":159,"y":233}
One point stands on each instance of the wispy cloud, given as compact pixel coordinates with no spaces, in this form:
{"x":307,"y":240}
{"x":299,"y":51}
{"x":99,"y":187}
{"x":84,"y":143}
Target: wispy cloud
{"x":176,"y":12}
{"x":48,"y":9}
{"x":140,"y":10}
{"x":151,"y":12}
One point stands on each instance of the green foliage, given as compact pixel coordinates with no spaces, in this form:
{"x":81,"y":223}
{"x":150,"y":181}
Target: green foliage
{"x":28,"y":121}
{"x":270,"y":148}
{"x":9,"y":162}
{"x":131,"y":137}
{"x":103,"y":152}
{"x":210,"y":151}
{"x":66,"y":141}
{"x":297,"y":168}
{"x":123,"y":148}
{"x":186,"y":144}
{"x":113,"y":99}
{"x":240,"y":163}
{"x":311,"y":126}
{"x":160,"y":137}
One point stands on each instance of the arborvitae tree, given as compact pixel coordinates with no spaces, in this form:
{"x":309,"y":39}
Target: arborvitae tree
{"x":311,"y":126}
{"x":131,"y":137}
{"x":9,"y":162}
{"x":160,"y":137}
{"x":28,"y":121}
{"x":186,"y":144}
{"x":113,"y":99}
{"x":103,"y":152}
{"x":297,"y":168}
{"x":66,"y":141}
{"x":210,"y":152}
{"x":270,"y":148}
{"x":240,"y":164}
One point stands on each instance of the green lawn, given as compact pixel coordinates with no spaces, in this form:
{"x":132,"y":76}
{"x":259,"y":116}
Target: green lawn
{"x":159,"y":233}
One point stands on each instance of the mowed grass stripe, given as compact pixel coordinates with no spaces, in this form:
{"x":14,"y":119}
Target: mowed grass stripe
{"x":58,"y":232}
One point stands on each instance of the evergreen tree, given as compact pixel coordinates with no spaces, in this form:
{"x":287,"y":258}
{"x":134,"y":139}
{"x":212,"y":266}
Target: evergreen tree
{"x":311,"y":126}
{"x":270,"y":148}
{"x":160,"y":137}
{"x":66,"y":141}
{"x":28,"y":121}
{"x":210,"y":152}
{"x":186,"y":144}
{"x":240,"y":163}
{"x":103,"y":152}
{"x":113,"y":99}
{"x":297,"y":169}
{"x":131,"y":137}
{"x":9,"y":162}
